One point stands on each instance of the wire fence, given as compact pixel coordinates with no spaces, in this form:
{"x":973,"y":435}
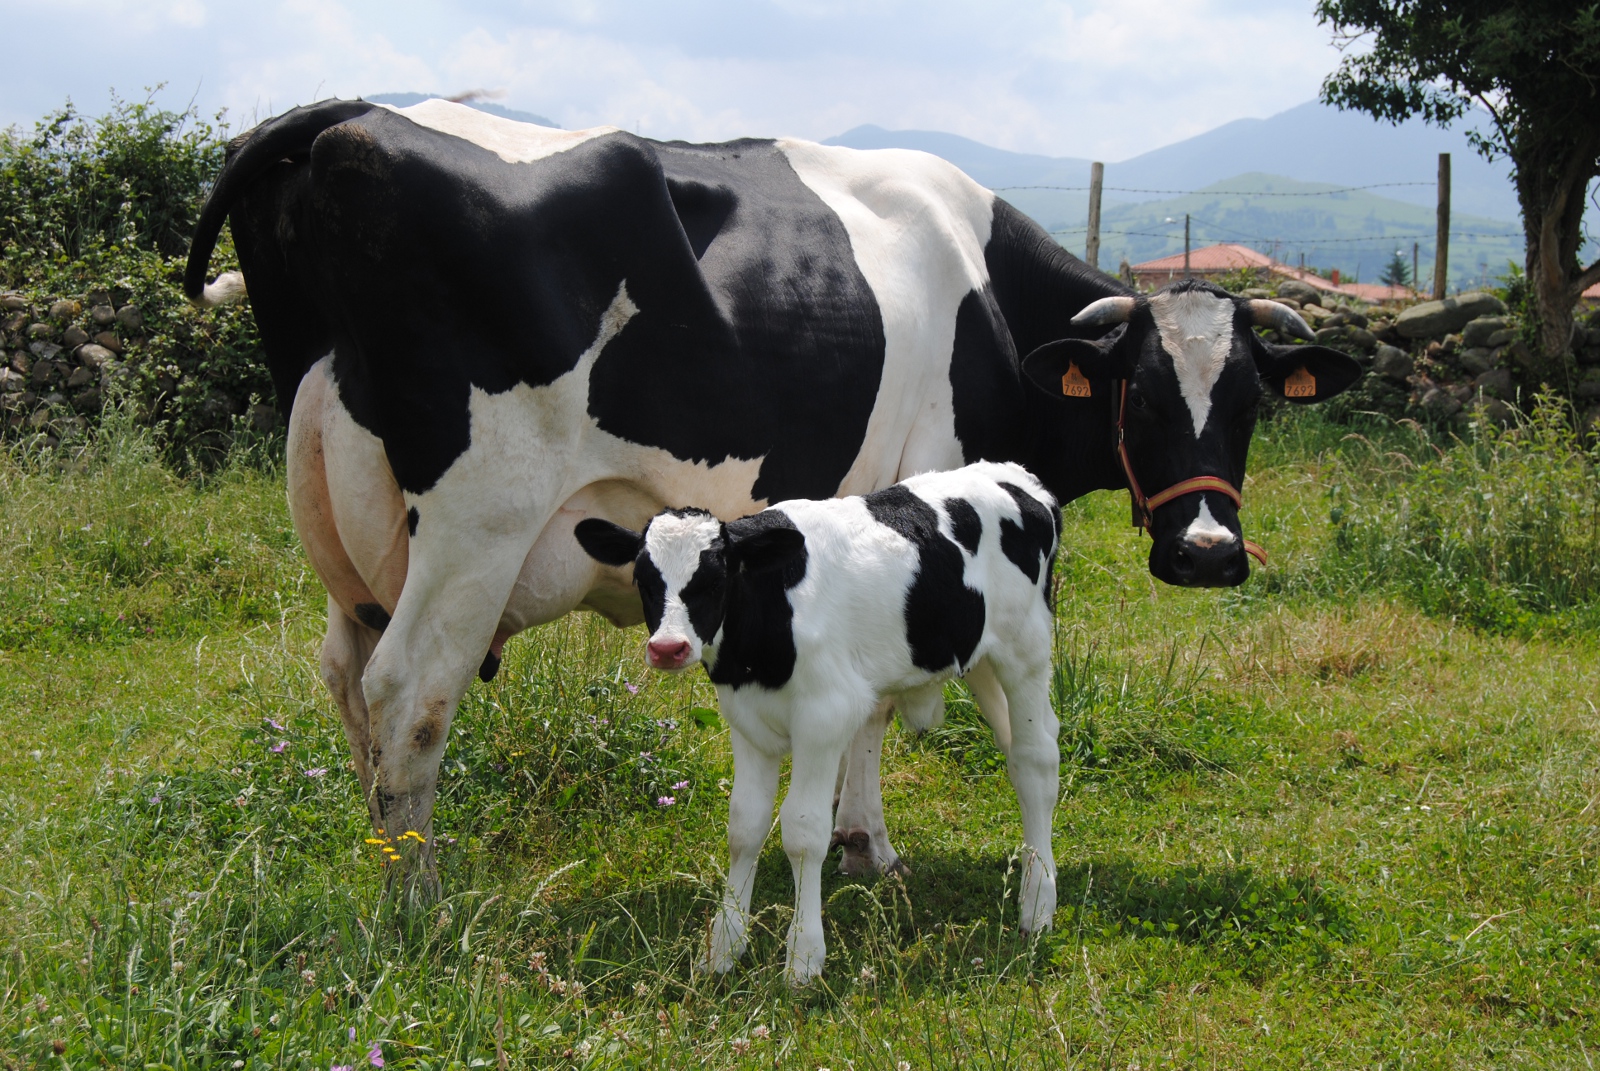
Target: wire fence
{"x":1219,"y":193}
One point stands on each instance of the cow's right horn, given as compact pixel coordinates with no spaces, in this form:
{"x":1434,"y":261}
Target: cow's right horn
{"x":1281,"y":318}
{"x":1106,"y":311}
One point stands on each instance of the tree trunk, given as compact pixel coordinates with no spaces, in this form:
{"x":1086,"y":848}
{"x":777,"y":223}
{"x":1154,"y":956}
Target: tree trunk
{"x":1551,"y":184}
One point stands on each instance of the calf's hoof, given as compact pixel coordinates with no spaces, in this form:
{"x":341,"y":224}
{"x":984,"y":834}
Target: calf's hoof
{"x":861,"y":859}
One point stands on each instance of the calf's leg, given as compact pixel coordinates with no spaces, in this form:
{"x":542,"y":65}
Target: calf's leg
{"x":755,"y":786}
{"x":859,"y":827}
{"x":1034,"y":763}
{"x":806,"y":817}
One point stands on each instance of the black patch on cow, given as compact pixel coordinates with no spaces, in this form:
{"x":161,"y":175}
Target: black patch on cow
{"x":372,"y":615}
{"x":965,"y":523}
{"x":412,"y":517}
{"x":490,"y":666}
{"x":742,"y":277}
{"x":766,"y":302}
{"x":944,"y":617}
{"x":703,"y":595}
{"x":758,"y":627}
{"x":1026,"y":543}
{"x":986,"y":391}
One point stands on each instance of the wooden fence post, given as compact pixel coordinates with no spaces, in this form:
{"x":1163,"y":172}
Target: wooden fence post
{"x":1186,"y":245}
{"x":1441,"y":261}
{"x":1097,"y":175}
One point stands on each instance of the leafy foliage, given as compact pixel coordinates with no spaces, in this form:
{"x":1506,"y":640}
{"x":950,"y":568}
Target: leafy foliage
{"x":132,"y":178}
{"x":1534,"y":67}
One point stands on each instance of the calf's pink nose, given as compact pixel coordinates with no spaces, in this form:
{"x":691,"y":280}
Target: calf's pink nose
{"x":668,"y":652}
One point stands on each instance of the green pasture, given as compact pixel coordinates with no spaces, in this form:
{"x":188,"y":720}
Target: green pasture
{"x":1343,"y":816}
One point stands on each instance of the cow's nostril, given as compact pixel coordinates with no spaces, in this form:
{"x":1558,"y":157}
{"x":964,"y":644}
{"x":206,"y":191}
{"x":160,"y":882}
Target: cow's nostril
{"x":1182,"y":563}
{"x":669,"y":650}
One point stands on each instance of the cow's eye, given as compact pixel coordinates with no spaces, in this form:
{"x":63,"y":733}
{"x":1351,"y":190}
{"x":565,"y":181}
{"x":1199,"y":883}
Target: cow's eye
{"x":1138,"y":401}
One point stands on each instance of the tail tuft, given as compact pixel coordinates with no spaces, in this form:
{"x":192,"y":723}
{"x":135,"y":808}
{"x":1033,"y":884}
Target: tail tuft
{"x":228,"y":288}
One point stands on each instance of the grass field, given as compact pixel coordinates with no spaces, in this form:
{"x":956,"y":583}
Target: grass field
{"x":1343,"y":816}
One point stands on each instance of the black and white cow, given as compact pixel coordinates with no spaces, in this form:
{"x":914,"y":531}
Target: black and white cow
{"x":812,"y":616}
{"x":489,"y":331}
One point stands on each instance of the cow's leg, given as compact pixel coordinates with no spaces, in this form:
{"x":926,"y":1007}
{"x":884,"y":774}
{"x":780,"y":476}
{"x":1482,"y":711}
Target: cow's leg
{"x":346,"y":649}
{"x":444,"y":622}
{"x":755,"y":786}
{"x":806,"y":817}
{"x":1034,"y":763}
{"x":859,"y":826}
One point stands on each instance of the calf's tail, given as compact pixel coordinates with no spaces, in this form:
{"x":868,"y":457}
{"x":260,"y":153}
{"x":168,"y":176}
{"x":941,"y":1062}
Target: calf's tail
{"x":287,"y":137}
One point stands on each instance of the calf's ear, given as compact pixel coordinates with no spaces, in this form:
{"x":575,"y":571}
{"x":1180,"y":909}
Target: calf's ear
{"x":1076,"y":367}
{"x":607,"y":543}
{"x":760,"y":549}
{"x":1306,"y":374}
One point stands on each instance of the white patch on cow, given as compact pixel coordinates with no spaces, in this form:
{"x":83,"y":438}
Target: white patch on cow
{"x":1205,"y":531}
{"x":538,"y":456}
{"x":1197,"y":332}
{"x":917,"y":226}
{"x":513,"y":142}
{"x":675,"y":545}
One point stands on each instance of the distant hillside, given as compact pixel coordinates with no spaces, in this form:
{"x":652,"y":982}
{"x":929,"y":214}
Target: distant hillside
{"x":406,"y":100}
{"x":1309,"y":147}
{"x":1356,"y":232}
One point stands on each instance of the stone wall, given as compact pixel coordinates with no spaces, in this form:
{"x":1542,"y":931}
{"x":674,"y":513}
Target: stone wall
{"x":1441,"y":361}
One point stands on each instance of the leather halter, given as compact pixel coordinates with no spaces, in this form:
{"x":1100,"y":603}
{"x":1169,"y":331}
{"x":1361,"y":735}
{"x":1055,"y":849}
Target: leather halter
{"x":1143,"y":507}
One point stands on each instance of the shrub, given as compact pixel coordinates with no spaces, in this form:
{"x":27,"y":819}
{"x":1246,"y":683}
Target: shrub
{"x":100,"y":212}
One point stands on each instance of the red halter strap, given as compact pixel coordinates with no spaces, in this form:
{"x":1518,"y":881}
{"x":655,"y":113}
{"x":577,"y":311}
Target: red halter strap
{"x":1143,"y":507}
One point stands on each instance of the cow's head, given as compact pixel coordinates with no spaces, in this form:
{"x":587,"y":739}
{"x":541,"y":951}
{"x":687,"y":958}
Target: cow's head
{"x":683,"y":564}
{"x":1194,"y":370}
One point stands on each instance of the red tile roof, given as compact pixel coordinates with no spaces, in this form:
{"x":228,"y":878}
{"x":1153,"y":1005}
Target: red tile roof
{"x":1226,"y":256}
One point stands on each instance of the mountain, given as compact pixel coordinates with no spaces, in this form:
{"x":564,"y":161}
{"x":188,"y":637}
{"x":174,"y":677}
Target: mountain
{"x":406,"y":100}
{"x":1304,"y":151}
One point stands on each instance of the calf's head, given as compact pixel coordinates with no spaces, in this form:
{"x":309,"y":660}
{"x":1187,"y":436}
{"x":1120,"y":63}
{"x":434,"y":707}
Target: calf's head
{"x":1182,"y":372}
{"x":685,"y":563}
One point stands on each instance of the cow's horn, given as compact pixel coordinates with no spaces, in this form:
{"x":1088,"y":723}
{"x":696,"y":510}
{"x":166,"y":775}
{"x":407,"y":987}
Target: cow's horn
{"x":1108,"y":310}
{"x":1281,"y":318}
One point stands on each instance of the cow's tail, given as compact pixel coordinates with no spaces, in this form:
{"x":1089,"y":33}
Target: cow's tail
{"x":289,"y":136}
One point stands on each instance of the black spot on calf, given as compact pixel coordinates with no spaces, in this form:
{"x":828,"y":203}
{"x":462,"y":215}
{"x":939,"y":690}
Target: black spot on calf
{"x":944,"y":617}
{"x":1032,"y":540}
{"x":491,"y":666}
{"x":964,"y":522}
{"x":758,"y":628}
{"x":412,"y":516}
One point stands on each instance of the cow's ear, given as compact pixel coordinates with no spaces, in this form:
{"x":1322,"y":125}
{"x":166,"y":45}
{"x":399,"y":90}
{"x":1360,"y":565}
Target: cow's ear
{"x":763,"y":548}
{"x":1306,"y":374}
{"x":607,"y":543}
{"x":1076,"y":367}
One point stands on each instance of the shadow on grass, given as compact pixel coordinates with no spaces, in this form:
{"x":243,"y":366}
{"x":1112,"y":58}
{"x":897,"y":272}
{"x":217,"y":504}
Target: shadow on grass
{"x":955,"y":914}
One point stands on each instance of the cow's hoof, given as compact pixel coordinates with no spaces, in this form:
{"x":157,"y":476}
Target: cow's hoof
{"x":861,"y":859}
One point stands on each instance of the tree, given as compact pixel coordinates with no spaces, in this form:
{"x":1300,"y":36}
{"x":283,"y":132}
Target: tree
{"x":1397,"y":272}
{"x":1533,"y":66}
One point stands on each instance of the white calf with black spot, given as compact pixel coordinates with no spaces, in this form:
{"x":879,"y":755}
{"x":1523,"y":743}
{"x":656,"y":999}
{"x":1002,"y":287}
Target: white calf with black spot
{"x":813,"y":617}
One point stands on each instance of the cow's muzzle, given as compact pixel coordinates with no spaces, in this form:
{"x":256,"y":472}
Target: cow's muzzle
{"x":1199,"y":564}
{"x":669,"y":653}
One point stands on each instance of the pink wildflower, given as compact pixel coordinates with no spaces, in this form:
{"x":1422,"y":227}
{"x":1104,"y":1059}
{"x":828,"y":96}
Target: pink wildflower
{"x":279,"y":746}
{"x":665,"y":801}
{"x":375,"y":1057}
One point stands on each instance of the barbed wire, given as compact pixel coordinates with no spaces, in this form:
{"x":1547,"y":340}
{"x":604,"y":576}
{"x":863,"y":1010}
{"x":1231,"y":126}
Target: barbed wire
{"x":1220,"y":193}
{"x":1306,"y":241}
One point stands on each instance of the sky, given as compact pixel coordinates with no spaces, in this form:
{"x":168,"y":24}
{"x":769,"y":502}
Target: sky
{"x":1104,"y":79}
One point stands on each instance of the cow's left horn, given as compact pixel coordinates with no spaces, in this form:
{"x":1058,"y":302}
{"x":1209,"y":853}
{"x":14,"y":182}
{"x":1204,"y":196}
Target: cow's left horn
{"x":1108,"y":310}
{"x":1281,"y":318}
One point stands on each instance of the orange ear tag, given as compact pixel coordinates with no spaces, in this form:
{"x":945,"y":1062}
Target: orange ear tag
{"x":1074,"y":384}
{"x":1300,"y":384}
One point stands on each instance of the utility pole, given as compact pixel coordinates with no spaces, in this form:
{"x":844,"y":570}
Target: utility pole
{"x":1441,"y":262}
{"x":1186,"y":245}
{"x":1097,"y":175}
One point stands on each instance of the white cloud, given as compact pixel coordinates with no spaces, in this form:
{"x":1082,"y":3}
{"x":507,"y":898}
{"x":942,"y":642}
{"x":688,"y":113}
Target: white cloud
{"x":1103,"y":78}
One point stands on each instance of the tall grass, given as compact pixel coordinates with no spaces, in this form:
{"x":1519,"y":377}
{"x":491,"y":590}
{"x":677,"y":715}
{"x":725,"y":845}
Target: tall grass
{"x":1500,"y":530}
